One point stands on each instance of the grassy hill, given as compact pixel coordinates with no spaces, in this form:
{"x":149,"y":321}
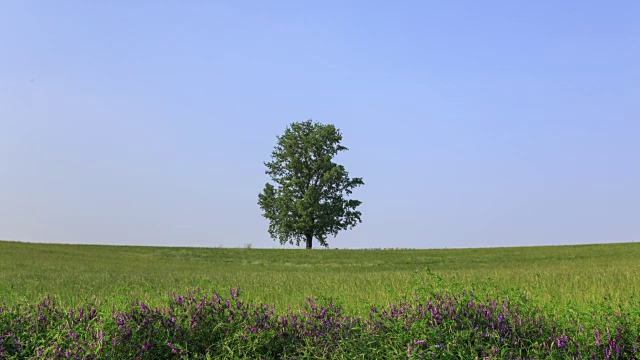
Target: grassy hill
{"x":594,"y":275}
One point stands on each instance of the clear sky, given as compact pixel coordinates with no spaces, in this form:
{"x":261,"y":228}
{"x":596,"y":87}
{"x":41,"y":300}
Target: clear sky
{"x":473,"y":123}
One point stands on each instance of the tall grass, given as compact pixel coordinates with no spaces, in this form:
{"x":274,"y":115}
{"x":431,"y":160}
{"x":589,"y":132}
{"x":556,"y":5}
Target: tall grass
{"x":561,"y":276}
{"x":537,"y":302}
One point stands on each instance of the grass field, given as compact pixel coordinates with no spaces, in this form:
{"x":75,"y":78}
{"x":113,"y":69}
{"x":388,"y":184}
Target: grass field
{"x":576,"y":286}
{"x":559,"y":275}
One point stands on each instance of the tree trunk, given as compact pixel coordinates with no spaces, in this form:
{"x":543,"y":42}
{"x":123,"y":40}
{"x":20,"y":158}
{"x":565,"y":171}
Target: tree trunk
{"x":309,"y":241}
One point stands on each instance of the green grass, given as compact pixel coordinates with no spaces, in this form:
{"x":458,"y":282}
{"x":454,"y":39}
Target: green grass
{"x":578,"y":277}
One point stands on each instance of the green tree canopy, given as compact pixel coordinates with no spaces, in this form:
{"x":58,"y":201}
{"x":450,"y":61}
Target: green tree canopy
{"x":309,"y":196}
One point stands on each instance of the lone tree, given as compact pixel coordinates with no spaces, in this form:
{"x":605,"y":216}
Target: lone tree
{"x":309,"y":197}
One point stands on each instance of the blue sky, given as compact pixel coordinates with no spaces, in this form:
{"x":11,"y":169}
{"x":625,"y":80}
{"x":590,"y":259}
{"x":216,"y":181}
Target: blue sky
{"x":473,"y":124}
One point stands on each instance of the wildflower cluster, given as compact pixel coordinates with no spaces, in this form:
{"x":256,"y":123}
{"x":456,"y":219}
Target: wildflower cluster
{"x":199,"y":325}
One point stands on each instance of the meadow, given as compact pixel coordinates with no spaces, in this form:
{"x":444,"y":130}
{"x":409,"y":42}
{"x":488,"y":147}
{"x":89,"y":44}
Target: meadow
{"x":588,"y":291}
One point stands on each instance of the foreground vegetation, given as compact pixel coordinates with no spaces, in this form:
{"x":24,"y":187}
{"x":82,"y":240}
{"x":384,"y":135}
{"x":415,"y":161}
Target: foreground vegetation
{"x":197,"y":326}
{"x":538,"y":302}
